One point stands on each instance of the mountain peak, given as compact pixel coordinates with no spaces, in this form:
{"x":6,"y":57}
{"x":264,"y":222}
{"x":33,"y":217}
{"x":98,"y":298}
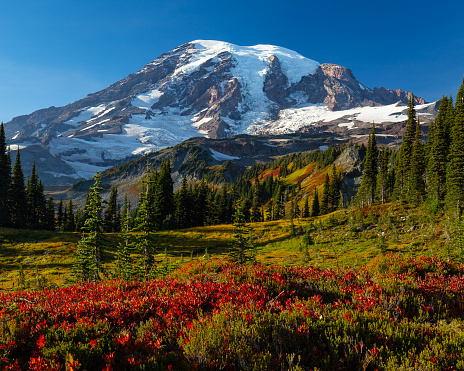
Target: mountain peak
{"x":202,"y":88}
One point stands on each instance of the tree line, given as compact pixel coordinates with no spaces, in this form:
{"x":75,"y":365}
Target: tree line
{"x":418,"y":171}
{"x":22,"y":204}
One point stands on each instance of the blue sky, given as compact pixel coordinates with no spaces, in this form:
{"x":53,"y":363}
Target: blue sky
{"x":55,"y":52}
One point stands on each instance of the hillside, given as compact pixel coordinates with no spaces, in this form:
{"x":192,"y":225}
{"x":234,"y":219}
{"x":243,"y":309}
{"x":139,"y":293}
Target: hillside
{"x":339,"y":298}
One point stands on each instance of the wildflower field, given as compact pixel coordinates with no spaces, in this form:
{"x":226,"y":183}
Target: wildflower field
{"x":395,"y":313}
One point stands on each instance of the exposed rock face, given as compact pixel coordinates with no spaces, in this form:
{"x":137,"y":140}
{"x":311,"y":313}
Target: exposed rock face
{"x":200,"y":88}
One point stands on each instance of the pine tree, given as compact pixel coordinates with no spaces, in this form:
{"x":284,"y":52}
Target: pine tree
{"x":403,"y":164}
{"x":315,"y":210}
{"x":60,"y":215}
{"x":334,"y":190}
{"x":125,"y":247}
{"x":35,"y":200}
{"x":5,"y":180}
{"x":417,"y":172}
{"x":112,"y":212}
{"x":305,"y":213}
{"x":241,"y":249}
{"x":224,"y":216}
{"x":89,"y":254}
{"x":144,"y":227}
{"x":255,"y":205}
{"x":382,"y":178}
{"x":70,"y":220}
{"x":455,"y":169}
{"x":17,"y":195}
{"x":324,"y":206}
{"x":369,"y":178}
{"x":49,"y":221}
{"x":184,"y":207}
{"x":438,"y":154}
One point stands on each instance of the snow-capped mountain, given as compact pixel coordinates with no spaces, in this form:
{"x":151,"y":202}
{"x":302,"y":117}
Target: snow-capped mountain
{"x":202,"y":88}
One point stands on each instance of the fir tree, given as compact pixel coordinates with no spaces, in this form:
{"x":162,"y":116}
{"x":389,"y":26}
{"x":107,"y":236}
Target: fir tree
{"x":60,"y":215}
{"x":17,"y":195}
{"x":382,"y":178}
{"x":125,"y":246}
{"x":455,"y":168}
{"x":255,"y":205}
{"x":5,"y":180}
{"x":438,"y":154}
{"x":315,"y":210}
{"x":305,"y":213}
{"x":35,"y":200}
{"x":369,"y":177}
{"x":144,"y":227}
{"x":70,"y":225}
{"x":49,"y":221}
{"x":403,"y":164}
{"x":334,"y":190}
{"x":112,"y":221}
{"x":417,"y":172}
{"x":324,"y":206}
{"x":224,"y":216}
{"x":184,"y":207}
{"x":241,"y":249}
{"x":89,"y":255}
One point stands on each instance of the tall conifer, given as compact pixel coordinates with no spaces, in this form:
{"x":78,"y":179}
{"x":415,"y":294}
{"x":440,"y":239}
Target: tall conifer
{"x":455,"y":169}
{"x":369,"y":177}
{"x":417,"y":172}
{"x":5,"y":180}
{"x":18,"y":204}
{"x":404,"y":158}
{"x":315,"y":205}
{"x":324,"y":205}
{"x":438,"y":144}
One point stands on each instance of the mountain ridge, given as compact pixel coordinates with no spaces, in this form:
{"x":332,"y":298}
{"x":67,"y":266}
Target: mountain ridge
{"x":202,"y":88}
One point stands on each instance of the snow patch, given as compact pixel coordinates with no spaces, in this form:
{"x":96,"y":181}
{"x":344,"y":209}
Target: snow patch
{"x":292,"y":119}
{"x":85,"y":115}
{"x":218,"y":156}
{"x":146,"y":100}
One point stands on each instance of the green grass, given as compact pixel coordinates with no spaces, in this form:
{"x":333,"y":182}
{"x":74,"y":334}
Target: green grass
{"x":342,"y":239}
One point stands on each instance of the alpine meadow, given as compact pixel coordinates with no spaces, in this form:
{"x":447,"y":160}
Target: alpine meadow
{"x":234,"y":208}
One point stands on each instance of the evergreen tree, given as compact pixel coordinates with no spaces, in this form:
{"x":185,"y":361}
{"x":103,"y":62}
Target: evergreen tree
{"x":241,"y":249}
{"x":184,"y":207}
{"x":455,"y":168}
{"x":382,"y":178}
{"x":125,"y":246}
{"x":89,"y":254}
{"x":438,"y":144}
{"x":305,"y":213}
{"x":369,"y":178}
{"x":144,"y":227}
{"x":49,"y":222}
{"x":255,"y":205}
{"x":403,"y":164}
{"x":324,"y":206}
{"x":112,"y":221}
{"x":224,"y":216}
{"x":70,"y":225}
{"x":417,"y":172}
{"x":315,"y":210}
{"x":60,"y":215}
{"x":5,"y":179}
{"x":17,"y":195}
{"x":334,"y":190}
{"x":35,"y":200}
{"x":269,"y":209}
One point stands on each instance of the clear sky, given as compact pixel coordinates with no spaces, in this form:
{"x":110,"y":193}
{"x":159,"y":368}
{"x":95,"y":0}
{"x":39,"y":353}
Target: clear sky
{"x":55,"y":52}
